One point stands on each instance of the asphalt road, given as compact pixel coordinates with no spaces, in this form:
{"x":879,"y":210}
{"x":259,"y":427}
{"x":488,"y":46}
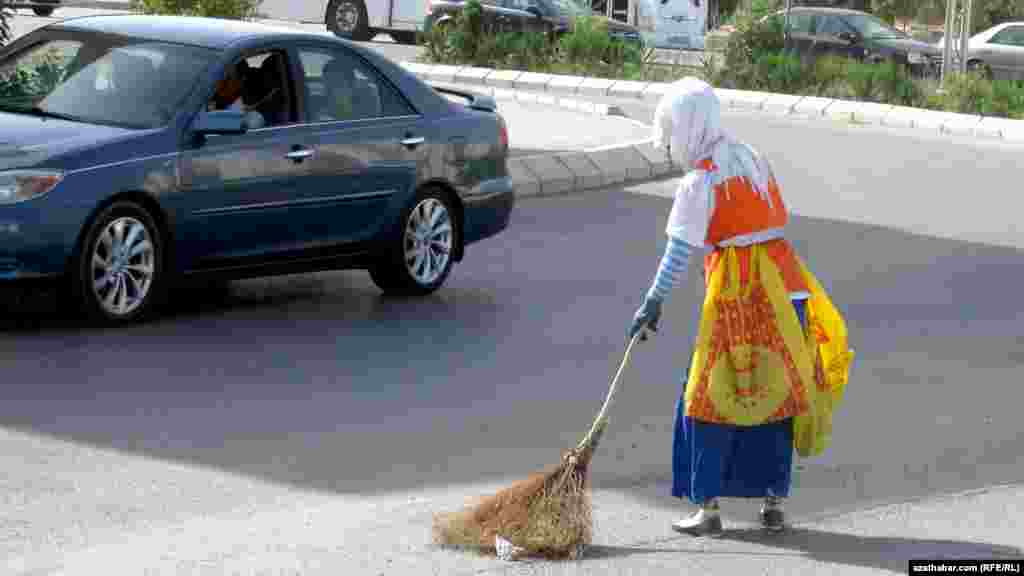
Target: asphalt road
{"x":315,"y":384}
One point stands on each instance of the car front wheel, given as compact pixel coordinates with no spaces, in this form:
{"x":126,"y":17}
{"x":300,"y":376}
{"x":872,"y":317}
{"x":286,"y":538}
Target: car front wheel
{"x":119,"y":269}
{"x":420,"y":255}
{"x":44,"y":11}
{"x":348,"y":19}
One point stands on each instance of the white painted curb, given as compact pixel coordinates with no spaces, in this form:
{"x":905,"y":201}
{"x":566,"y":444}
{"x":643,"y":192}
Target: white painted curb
{"x":567,"y":91}
{"x":572,"y":172}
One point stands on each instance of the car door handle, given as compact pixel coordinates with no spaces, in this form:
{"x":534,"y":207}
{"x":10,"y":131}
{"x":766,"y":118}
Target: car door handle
{"x":412,"y":142}
{"x":299,"y":155}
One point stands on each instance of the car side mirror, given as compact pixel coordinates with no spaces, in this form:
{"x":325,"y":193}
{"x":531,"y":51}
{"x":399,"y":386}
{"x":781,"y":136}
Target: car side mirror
{"x":850,"y":37}
{"x":220,"y":122}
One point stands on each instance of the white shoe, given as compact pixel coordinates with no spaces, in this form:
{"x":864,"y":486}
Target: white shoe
{"x":704,"y":523}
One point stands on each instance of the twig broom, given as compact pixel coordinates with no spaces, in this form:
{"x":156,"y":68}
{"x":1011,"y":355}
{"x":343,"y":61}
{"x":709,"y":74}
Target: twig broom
{"x":545,"y":515}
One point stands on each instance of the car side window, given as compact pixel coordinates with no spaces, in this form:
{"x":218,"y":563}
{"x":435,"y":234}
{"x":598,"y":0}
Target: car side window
{"x":830,"y":26}
{"x":340,"y":86}
{"x":1009,"y":36}
{"x":256,"y":85}
{"x":800,"y":22}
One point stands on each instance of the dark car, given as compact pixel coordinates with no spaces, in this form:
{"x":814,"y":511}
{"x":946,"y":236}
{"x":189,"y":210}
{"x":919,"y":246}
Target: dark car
{"x":553,"y":17}
{"x":40,"y":7}
{"x":817,"y":31}
{"x":123,"y":168}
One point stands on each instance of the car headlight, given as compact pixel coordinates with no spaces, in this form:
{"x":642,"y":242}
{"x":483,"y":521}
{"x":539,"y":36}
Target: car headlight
{"x":21,"y":185}
{"x":915,"y":58}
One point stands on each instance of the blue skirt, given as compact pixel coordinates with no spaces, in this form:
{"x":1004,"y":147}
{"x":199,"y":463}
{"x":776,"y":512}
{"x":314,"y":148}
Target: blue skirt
{"x":724,"y":461}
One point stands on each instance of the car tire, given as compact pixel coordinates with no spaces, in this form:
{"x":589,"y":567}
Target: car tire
{"x":979,"y":66}
{"x":428,"y":225}
{"x":407,"y":37}
{"x":358,"y":30}
{"x":44,"y":11}
{"x":127,"y":227}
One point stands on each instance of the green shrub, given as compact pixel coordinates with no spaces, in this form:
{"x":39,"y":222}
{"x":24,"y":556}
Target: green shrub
{"x":969,"y":93}
{"x":761,"y":8}
{"x":745,"y":48}
{"x":780,"y":73}
{"x":228,"y":9}
{"x":587,"y":49}
{"x":895,"y":86}
{"x":973,"y":93}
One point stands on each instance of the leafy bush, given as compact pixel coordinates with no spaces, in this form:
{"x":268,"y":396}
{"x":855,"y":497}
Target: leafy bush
{"x":973,"y":93}
{"x":228,"y":9}
{"x":779,"y":72}
{"x":743,"y":63}
{"x":585,"y":49}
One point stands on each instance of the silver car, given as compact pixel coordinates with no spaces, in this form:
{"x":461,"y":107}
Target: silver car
{"x":998,"y":51}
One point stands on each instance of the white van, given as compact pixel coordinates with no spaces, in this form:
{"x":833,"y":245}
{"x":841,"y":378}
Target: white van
{"x":359,"y":20}
{"x":680,"y":24}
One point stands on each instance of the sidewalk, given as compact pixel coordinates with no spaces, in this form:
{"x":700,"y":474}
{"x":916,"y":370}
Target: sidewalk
{"x":278,"y":530}
{"x":541,"y":129}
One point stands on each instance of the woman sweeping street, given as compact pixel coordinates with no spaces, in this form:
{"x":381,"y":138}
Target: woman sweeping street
{"x":756,"y":385}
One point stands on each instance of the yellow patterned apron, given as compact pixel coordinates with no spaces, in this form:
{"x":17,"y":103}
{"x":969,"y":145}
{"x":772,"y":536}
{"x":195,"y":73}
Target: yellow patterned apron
{"x":754,"y":364}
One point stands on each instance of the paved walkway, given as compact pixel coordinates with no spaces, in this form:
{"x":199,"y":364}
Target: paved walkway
{"x":540,"y":129}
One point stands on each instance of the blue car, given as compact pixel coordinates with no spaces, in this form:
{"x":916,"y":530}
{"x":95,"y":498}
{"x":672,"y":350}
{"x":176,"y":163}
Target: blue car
{"x":139,"y":150}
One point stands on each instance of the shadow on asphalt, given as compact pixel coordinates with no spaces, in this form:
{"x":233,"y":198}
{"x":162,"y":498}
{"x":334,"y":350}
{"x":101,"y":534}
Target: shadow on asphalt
{"x":316,"y":381}
{"x":875,"y":552}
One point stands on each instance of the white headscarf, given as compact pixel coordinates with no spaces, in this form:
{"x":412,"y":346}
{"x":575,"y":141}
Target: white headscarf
{"x":687,"y":122}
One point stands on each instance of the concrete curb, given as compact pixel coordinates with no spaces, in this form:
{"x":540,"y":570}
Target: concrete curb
{"x":572,"y":172}
{"x":559,"y":89}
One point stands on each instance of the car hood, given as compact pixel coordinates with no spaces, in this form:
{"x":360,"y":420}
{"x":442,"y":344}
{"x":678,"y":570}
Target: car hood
{"x":26,"y":141}
{"x":905,"y":45}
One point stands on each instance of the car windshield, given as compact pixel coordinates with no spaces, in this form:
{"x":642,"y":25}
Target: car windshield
{"x":99,"y":80}
{"x":872,"y":27}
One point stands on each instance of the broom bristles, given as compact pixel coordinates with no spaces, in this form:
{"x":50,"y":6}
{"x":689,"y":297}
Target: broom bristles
{"x":547,"y":514}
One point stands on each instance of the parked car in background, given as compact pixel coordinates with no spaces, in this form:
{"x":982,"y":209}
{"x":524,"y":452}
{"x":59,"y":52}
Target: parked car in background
{"x":553,"y":17}
{"x":998,"y":51}
{"x":358,"y":20}
{"x":818,"y":32}
{"x":125,"y":164}
{"x":41,"y":8}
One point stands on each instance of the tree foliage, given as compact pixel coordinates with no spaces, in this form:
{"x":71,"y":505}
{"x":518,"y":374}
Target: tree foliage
{"x":985,"y":13}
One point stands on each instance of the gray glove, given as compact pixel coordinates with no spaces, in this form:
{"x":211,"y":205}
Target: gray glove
{"x":647,"y":316}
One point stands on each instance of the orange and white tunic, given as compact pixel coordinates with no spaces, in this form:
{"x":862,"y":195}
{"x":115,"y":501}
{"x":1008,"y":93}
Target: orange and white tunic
{"x":732,"y":213}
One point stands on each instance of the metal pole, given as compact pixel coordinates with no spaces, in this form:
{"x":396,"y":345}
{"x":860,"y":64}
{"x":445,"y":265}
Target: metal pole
{"x":947,"y":43}
{"x":785,"y":27}
{"x":965,"y":34}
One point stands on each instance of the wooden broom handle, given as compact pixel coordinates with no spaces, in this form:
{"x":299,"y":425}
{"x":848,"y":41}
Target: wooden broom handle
{"x":603,"y":414}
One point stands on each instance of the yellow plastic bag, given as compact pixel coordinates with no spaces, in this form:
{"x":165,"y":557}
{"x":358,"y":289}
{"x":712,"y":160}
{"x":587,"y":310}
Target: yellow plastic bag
{"x":827,"y":340}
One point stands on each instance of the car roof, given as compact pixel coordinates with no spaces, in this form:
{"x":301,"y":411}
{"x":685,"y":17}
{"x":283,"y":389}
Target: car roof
{"x":215,"y":33}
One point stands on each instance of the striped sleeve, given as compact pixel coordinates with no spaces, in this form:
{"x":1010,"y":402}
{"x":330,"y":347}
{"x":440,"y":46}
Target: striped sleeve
{"x":673,"y":266}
